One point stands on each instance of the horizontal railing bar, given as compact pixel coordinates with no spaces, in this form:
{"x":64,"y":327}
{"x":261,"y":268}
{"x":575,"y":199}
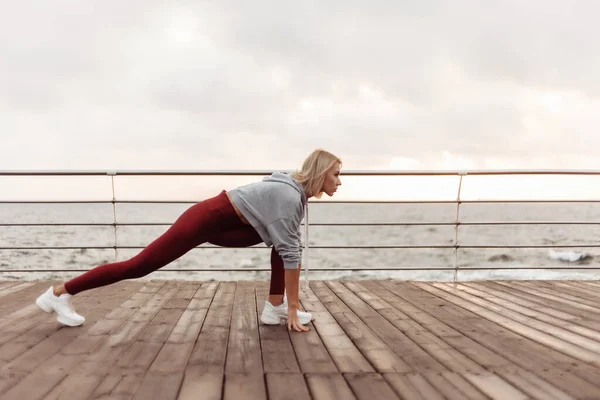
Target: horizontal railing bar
{"x":488,"y":201}
{"x":578,"y":267}
{"x":228,"y":247}
{"x":541,"y":246}
{"x":56,"y":202}
{"x":490,"y":223}
{"x":269,"y":172}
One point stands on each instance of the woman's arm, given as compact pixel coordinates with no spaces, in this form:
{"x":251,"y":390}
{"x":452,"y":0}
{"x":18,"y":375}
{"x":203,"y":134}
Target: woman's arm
{"x":292,"y":278}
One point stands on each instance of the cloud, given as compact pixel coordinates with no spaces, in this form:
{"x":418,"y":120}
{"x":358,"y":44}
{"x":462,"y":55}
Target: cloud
{"x":197,"y":85}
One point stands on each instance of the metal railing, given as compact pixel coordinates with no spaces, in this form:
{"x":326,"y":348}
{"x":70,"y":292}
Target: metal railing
{"x":455,"y":246}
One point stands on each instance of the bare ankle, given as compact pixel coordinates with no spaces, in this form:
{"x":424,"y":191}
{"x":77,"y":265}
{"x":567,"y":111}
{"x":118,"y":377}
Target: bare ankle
{"x":58,"y":290}
{"x":276,"y":299}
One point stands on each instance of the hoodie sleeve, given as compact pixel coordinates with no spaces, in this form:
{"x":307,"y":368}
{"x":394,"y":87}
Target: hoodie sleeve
{"x":285,"y":235}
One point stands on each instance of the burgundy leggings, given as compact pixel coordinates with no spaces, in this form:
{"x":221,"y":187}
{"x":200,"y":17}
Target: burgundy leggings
{"x":213,"y":220}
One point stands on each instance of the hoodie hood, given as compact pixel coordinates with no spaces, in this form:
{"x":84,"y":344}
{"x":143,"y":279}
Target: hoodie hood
{"x":286,"y":178}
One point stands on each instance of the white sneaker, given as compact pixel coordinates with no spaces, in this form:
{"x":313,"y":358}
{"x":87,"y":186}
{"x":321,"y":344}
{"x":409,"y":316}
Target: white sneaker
{"x":61,"y":305}
{"x":272,"y":315}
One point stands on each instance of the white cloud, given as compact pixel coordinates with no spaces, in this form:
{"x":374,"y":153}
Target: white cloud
{"x":416,"y":84}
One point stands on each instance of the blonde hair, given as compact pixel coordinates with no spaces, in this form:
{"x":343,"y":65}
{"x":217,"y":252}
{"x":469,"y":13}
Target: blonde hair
{"x":314,"y":168}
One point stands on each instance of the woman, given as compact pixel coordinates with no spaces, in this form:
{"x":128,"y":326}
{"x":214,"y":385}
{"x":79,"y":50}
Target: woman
{"x":269,"y":211}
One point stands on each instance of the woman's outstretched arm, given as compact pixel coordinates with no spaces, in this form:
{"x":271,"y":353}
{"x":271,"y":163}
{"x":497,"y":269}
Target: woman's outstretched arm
{"x":292,"y":278}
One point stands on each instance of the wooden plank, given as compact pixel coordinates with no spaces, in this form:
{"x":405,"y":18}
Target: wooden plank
{"x":154,"y":333}
{"x":370,"y":345}
{"x":454,"y":386}
{"x":11,"y":318}
{"x":531,"y":296}
{"x":531,"y":384}
{"x":189,"y":325}
{"x":27,"y":332}
{"x":209,"y":385}
{"x":370,"y":386}
{"x":329,"y":387}
{"x":15,"y":297}
{"x":310,"y":352}
{"x":495,"y":387}
{"x":116,"y":387}
{"x":102,"y":358}
{"x":576,"y":292}
{"x":134,"y":360}
{"x":287,"y":387}
{"x":343,"y":352}
{"x":243,"y":350}
{"x":71,"y":356}
{"x":141,"y":354}
{"x":472,"y":350}
{"x":19,"y":305}
{"x":162,"y":386}
{"x":557,"y":338}
{"x":449,"y":357}
{"x":554,"y":295}
{"x":174,"y":355}
{"x":60,"y":353}
{"x":75,"y":386}
{"x":34,"y":345}
{"x":278,"y":354}
{"x":7,"y":284}
{"x":508,"y":299}
{"x":413,"y":386}
{"x":578,"y":287}
{"x":209,"y":352}
{"x":19,"y":287}
{"x":522,"y":352}
{"x":587,"y":286}
{"x":203,"y":368}
{"x":499,"y":304}
{"x":594,"y":284}
{"x":394,"y":338}
{"x":244,"y":386}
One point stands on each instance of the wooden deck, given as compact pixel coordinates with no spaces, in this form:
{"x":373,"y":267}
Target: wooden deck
{"x":370,"y":340}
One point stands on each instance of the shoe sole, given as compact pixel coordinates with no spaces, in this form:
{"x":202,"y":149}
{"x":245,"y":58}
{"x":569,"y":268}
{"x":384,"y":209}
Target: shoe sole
{"x":270,"y":321}
{"x":277,"y":320}
{"x":68,"y":322}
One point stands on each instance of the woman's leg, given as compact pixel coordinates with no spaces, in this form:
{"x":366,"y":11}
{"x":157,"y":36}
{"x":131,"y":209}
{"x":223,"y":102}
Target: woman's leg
{"x":247,"y":236}
{"x":192,"y":228}
{"x":277,"y":287}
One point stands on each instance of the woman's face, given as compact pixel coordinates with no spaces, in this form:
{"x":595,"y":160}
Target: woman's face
{"x":332,"y":179}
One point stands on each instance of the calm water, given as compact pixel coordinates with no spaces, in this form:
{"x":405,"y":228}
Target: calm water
{"x":369,"y":259}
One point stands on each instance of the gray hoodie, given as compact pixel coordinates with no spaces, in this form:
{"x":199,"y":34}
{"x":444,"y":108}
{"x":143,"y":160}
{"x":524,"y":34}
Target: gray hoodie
{"x":275,"y":208}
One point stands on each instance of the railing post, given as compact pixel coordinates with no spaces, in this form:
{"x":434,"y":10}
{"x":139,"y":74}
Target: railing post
{"x":112,"y":175}
{"x":456,"y":225}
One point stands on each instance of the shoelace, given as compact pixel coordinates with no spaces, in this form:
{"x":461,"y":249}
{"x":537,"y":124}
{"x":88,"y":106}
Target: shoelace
{"x":70,"y":306}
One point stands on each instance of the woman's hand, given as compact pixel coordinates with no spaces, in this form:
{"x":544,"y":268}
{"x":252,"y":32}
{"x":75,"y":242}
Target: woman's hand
{"x":293,"y":323}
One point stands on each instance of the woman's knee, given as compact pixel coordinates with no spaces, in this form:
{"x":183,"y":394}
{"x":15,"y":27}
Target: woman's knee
{"x":139,"y":267}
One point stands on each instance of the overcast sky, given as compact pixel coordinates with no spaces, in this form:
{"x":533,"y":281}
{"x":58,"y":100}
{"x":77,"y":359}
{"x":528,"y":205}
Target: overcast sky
{"x":200,"y":85}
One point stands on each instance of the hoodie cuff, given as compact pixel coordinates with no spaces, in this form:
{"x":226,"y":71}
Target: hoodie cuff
{"x":292,"y":265}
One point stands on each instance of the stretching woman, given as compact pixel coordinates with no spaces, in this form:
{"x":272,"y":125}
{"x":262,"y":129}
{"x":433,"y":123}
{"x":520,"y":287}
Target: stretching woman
{"x":268,"y":211}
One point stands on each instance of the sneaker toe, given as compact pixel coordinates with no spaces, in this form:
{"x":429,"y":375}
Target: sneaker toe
{"x":304,"y":317}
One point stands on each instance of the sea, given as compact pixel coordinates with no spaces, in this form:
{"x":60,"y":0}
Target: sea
{"x":431,"y":264}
